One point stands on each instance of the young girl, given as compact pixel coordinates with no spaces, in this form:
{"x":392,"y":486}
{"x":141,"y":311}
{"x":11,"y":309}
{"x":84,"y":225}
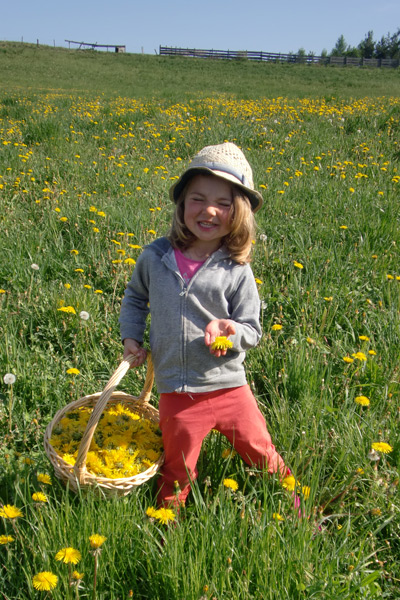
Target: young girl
{"x":198,"y":287}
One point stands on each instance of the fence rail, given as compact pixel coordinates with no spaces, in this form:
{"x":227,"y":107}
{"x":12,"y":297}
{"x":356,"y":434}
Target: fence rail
{"x":274,"y":57}
{"x":117,"y":47}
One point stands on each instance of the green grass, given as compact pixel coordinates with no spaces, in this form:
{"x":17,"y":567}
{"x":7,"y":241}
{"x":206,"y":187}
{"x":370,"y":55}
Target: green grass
{"x":46,"y":69}
{"x":88,"y":170}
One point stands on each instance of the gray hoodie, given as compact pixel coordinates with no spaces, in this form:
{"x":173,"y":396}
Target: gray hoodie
{"x":220,"y":289}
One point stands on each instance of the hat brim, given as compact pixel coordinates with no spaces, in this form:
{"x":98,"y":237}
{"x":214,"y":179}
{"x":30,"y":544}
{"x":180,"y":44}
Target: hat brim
{"x":255,"y":198}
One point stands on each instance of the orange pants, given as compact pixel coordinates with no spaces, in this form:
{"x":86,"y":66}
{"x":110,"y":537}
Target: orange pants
{"x":186,"y":419}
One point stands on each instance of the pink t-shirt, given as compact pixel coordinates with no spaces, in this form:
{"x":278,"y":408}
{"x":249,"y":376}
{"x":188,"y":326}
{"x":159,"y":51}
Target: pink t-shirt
{"x":187,"y":266}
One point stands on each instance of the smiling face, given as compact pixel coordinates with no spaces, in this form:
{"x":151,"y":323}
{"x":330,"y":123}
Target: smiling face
{"x":208,"y":210}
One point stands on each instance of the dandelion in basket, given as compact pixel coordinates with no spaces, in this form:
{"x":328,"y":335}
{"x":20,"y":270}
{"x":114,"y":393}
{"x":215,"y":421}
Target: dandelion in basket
{"x":124,"y":443}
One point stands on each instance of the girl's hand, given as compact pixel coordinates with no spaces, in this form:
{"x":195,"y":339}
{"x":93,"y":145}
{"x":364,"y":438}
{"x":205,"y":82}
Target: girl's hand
{"x":218,"y":328}
{"x":133,"y":347}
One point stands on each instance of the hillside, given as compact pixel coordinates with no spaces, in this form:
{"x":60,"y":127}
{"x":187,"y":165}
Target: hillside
{"x":44,"y":68}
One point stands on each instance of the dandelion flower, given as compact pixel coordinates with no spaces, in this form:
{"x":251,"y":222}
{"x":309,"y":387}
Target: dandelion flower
{"x":97,"y":540}
{"x":289,"y":483}
{"x":77,"y":576}
{"x":68,"y":555}
{"x":231,"y":484}
{"x":343,"y":227}
{"x":376,"y":512}
{"x":39,"y":497}
{"x":8,"y":511}
{"x":73,"y":251}
{"x":258,"y":280}
{"x":328,"y":298}
{"x":221,"y":343}
{"x":298,"y":265}
{"x":228,"y":453}
{"x":276,"y":327}
{"x":45,"y":581}
{"x":382,"y":447}
{"x":360,"y":356}
{"x":85,"y":316}
{"x":151,"y":511}
{"x":67,"y":309}
{"x":44,"y":478}
{"x":130,"y":261}
{"x":98,"y":291}
{"x":363,"y":400}
{"x":9,"y":378}
{"x":363,"y":338}
{"x":73,"y":371}
{"x":305,"y":490}
{"x":372,"y":352}
{"x":165,"y":515}
{"x":6,"y":539}
{"x":348,"y":359}
{"x":277,"y":517}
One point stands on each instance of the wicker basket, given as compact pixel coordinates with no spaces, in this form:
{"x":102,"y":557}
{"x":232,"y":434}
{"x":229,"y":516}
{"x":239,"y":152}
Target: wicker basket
{"x":77,"y":476}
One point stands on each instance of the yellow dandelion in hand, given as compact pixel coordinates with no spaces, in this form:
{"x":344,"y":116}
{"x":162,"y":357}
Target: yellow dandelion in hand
{"x":8,"y":511}
{"x":276,"y":327}
{"x":68,"y":555}
{"x":221,"y":343}
{"x":362,"y":400}
{"x":45,"y":581}
{"x":382,"y":447}
{"x":165,"y":515}
{"x":39,"y":497}
{"x":97,"y":540}
{"x":6,"y":539}
{"x":231,"y":484}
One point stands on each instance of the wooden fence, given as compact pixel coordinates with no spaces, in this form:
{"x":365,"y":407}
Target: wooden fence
{"x":273,"y":57}
{"x":117,"y":47}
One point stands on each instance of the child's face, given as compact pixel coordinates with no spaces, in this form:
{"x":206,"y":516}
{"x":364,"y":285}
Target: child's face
{"x":208,"y":203}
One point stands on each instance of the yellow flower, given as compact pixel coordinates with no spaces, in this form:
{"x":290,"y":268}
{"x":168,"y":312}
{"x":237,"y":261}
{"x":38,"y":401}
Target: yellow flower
{"x":228,"y":453}
{"x":231,"y":484}
{"x":151,"y":231}
{"x":97,"y":540}
{"x":376,"y":512}
{"x":390,"y":276}
{"x":79,"y":271}
{"x":221,"y":343}
{"x":277,"y":517}
{"x":298,"y":265}
{"x":101,"y":213}
{"x":164,"y":515}
{"x":67,"y":309}
{"x":289,"y":483}
{"x":67,"y":286}
{"x":39,"y":497}
{"x":130,"y":261}
{"x":363,"y":338}
{"x":6,"y":539}
{"x":8,"y":511}
{"x":74,"y":251}
{"x":258,"y":280}
{"x":44,"y":478}
{"x":68,"y":555}
{"x":45,"y":581}
{"x":73,"y":371}
{"x":347,"y":359}
{"x":151,"y":511}
{"x":276,"y":327}
{"x":328,"y":298}
{"x":382,"y":447}
{"x":372,"y":352}
{"x":77,"y":576}
{"x":363,"y":400}
{"x":343,"y":227}
{"x":360,"y":356}
{"x":305,"y":490}
{"x":98,"y":291}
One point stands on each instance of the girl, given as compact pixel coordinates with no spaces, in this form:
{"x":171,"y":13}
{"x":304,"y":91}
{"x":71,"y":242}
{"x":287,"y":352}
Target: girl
{"x":204,"y":305}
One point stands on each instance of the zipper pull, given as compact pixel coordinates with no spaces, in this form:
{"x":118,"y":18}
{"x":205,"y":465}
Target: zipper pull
{"x":183,"y":292}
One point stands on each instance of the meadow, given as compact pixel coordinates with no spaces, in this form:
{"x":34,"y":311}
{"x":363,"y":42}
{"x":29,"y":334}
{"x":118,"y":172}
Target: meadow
{"x":84,"y":178}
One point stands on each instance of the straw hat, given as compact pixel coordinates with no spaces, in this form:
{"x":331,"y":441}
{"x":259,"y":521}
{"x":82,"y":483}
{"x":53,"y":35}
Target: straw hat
{"x":226,"y":161}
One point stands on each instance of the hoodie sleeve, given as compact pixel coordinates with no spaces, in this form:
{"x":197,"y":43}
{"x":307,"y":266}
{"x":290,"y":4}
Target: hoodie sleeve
{"x":135,"y":303}
{"x":245,"y":312}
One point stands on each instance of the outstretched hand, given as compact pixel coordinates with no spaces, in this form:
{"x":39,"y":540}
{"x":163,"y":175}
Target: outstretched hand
{"x":218,"y":328}
{"x":132,"y":347}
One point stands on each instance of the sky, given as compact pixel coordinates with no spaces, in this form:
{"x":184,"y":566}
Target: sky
{"x":255,"y":25}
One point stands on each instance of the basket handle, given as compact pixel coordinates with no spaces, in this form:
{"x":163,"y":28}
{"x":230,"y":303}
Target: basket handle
{"x":80,"y":464}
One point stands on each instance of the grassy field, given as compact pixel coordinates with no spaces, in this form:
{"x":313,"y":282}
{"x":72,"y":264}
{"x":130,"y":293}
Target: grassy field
{"x":89,"y":145}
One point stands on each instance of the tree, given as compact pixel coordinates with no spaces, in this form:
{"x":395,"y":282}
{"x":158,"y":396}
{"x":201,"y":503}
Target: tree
{"x":367,"y":46}
{"x":340,"y":47}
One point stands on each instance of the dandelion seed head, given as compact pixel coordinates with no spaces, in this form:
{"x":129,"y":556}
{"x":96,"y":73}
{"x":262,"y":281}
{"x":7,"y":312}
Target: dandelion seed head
{"x":84,"y":315}
{"x":9,"y":378}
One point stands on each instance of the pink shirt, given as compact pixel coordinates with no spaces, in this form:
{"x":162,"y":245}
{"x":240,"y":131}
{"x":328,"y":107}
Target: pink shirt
{"x":187,"y":266}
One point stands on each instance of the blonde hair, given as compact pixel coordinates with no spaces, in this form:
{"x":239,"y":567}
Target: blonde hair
{"x":239,"y":240}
